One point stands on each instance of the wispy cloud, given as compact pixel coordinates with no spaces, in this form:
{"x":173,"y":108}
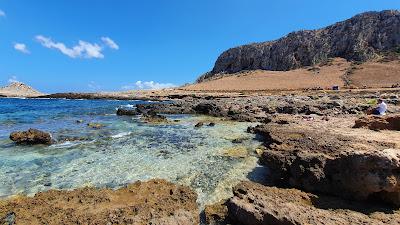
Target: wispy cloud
{"x":93,"y":86}
{"x":13,"y":79}
{"x":21,"y":47}
{"x":82,"y":50}
{"x":2,"y":13}
{"x":148,"y":85}
{"x":110,"y":43}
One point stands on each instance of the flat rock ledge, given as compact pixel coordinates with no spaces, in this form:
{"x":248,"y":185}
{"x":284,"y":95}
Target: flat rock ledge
{"x":317,"y":160}
{"x":390,"y":122}
{"x":259,"y":108}
{"x":255,"y":204}
{"x":156,"y":202}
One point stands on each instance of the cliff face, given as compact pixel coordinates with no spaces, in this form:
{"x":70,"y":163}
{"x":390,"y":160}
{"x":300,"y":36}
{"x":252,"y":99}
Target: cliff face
{"x":359,"y":38}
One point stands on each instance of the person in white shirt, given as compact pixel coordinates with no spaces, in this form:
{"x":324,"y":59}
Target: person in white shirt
{"x":381,"y":108}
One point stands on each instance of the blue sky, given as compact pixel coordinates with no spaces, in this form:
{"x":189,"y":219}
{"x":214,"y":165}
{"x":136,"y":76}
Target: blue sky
{"x":75,"y":45}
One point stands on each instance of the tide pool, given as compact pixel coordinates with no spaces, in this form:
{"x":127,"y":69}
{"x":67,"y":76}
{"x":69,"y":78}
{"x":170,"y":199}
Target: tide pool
{"x":124,"y":151}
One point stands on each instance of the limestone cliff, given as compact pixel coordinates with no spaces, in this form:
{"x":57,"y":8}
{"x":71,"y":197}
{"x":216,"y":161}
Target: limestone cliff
{"x":360,"y":38}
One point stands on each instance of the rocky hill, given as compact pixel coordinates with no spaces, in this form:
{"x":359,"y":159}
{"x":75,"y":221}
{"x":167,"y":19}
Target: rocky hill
{"x":360,"y":38}
{"x":18,"y":89}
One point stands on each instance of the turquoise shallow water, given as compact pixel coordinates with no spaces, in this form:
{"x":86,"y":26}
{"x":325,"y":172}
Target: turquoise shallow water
{"x":124,"y":151}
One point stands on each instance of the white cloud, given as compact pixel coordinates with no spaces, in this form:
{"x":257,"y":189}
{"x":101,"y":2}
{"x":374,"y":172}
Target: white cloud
{"x":110,"y":43}
{"x":13,"y":79}
{"x":148,"y":85}
{"x":21,"y":47}
{"x":93,"y":86}
{"x":82,"y":50}
{"x":2,"y":13}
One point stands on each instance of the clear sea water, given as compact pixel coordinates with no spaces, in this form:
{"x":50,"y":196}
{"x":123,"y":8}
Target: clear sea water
{"x":124,"y":151}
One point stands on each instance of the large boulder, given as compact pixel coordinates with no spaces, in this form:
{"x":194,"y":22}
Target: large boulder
{"x":321,"y":161}
{"x":155,"y":202}
{"x":254,"y":204}
{"x":391,"y":122}
{"x":127,"y":112}
{"x":31,"y":136}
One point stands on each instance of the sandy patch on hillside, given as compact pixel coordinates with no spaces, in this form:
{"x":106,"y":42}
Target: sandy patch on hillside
{"x":376,"y":75}
{"x":312,"y":77}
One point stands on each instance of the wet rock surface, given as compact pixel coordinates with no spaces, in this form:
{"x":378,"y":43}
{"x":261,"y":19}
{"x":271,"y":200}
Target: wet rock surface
{"x":31,"y":137}
{"x":154,"y":202}
{"x":127,"y":112}
{"x":199,"y":124}
{"x":255,"y":204}
{"x":153,"y":117}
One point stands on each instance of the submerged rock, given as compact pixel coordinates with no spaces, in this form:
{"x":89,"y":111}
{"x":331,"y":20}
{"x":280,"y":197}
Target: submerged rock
{"x":239,"y":140}
{"x":71,"y":138}
{"x":95,"y":125}
{"x":391,"y":122}
{"x":254,"y":204}
{"x":152,"y":202}
{"x":152,"y":117}
{"x":199,"y":124}
{"x":236,"y":152}
{"x":332,"y":163}
{"x":31,"y":136}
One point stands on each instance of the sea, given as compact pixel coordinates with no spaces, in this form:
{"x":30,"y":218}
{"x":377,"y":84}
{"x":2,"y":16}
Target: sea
{"x":124,"y":150}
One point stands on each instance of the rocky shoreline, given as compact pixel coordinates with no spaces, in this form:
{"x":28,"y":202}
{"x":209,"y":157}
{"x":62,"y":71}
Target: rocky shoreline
{"x":151,"y":202}
{"x":311,"y":144}
{"x":341,"y":172}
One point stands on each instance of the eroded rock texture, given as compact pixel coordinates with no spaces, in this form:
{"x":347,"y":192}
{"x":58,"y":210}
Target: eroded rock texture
{"x":156,"y":202}
{"x":31,"y":136}
{"x":318,"y":160}
{"x":391,"y":122}
{"x":254,"y":204}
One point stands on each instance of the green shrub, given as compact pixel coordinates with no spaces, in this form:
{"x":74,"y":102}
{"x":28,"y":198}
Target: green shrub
{"x":372,"y":101}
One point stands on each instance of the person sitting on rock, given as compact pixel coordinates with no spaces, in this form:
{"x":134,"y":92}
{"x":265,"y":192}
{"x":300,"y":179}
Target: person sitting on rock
{"x":380,"y":109}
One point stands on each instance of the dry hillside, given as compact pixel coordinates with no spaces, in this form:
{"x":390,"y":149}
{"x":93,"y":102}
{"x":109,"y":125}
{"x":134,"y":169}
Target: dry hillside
{"x":376,"y":75}
{"x":18,"y":89}
{"x":339,"y":72}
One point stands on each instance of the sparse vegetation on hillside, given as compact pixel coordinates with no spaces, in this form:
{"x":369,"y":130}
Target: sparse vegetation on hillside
{"x":350,"y":39}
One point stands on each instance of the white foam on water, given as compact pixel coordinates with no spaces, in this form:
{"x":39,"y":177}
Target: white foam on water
{"x":120,"y":135}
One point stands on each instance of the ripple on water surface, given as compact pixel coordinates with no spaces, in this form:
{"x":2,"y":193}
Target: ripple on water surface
{"x":127,"y":150}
